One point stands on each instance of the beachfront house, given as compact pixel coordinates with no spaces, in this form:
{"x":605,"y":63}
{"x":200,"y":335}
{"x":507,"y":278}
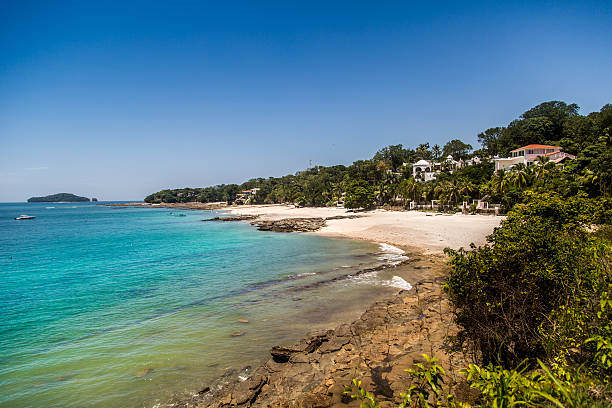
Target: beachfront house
{"x":246,"y":196}
{"x":527,"y":155}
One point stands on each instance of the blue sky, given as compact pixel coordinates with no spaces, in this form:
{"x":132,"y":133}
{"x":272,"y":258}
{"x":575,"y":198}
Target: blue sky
{"x":119,"y":99}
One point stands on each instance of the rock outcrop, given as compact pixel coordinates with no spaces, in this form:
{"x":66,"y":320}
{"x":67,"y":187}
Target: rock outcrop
{"x":245,"y":217}
{"x":291,"y":225}
{"x":343,"y":217}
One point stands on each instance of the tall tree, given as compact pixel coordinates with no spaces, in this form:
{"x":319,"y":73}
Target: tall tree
{"x":394,"y":156}
{"x":489,"y":140}
{"x":423,"y":152}
{"x":436,"y":152}
{"x":457,"y":149}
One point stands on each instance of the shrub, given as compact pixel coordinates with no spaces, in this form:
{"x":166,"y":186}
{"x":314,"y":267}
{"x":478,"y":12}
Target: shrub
{"x":519,"y":297}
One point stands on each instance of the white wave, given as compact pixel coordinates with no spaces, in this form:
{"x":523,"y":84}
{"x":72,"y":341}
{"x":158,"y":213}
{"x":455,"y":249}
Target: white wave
{"x":368,"y":277}
{"x":299,"y":275}
{"x":49,"y":207}
{"x":371,"y":278}
{"x":390,"y":249}
{"x":391,"y":255}
{"x":397,"y":282}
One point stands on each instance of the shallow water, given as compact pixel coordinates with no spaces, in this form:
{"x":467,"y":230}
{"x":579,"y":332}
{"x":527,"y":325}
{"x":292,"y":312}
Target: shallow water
{"x":120,"y":307}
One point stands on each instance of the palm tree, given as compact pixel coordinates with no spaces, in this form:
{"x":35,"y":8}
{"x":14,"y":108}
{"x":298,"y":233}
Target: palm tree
{"x":414,"y":189}
{"x":521,"y":176}
{"x":501,"y":185}
{"x":427,"y":191}
{"x":543,"y":164}
{"x":405,"y":189}
{"x":468,"y":188}
{"x":454,"y":190}
{"x":590,"y":177}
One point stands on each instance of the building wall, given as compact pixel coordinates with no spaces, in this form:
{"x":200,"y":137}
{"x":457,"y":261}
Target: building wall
{"x":506,"y":163}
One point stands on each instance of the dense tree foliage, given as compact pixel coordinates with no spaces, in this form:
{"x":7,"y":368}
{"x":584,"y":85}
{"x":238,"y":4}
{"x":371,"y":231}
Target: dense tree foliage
{"x":359,"y":194}
{"x":457,"y":149}
{"x":540,"y":264}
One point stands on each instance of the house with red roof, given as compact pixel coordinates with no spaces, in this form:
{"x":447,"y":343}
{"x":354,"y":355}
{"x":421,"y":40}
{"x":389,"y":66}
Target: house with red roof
{"x":527,"y":155}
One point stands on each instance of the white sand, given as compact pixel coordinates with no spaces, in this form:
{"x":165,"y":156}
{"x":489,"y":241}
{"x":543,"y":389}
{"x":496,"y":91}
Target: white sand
{"x":430,"y":232}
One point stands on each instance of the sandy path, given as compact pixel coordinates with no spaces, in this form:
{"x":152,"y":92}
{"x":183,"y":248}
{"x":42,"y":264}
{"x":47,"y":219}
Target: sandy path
{"x":430,"y":232}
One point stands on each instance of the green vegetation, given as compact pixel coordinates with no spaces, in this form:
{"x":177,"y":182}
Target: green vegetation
{"x":359,"y":194}
{"x":60,"y":197}
{"x":391,"y":183}
{"x":518,"y":297}
{"x":533,"y":305}
{"x":534,"y":308}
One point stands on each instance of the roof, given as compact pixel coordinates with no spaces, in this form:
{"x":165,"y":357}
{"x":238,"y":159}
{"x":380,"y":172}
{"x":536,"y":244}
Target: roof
{"x":422,"y":163}
{"x":536,"y":146}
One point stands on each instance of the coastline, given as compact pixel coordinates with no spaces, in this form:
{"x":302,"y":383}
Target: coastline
{"x":387,"y":338}
{"x":412,"y":230}
{"x":375,"y":348}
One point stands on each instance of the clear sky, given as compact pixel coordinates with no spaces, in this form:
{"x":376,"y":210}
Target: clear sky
{"x":120,"y":99}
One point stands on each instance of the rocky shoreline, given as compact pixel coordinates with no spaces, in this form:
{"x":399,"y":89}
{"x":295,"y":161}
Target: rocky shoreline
{"x":290,"y":225}
{"x":245,"y":217}
{"x":298,"y":224}
{"x":388,"y":338}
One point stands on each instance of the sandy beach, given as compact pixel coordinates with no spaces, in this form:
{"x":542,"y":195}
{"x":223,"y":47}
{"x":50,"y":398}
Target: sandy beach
{"x":427,"y":232}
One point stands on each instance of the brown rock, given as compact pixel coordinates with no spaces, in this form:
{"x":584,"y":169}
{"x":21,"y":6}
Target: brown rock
{"x":143,"y":373}
{"x":291,"y":225}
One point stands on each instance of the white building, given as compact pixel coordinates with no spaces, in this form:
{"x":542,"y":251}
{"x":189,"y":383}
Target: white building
{"x":425,"y":170}
{"x":529,"y":154}
{"x":246,"y":196}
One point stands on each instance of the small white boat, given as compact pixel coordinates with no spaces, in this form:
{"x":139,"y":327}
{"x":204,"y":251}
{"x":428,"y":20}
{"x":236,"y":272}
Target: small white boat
{"x":25,"y":217}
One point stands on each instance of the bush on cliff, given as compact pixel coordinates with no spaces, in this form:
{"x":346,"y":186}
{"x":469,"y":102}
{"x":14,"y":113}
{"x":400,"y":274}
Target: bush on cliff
{"x":533,"y":291}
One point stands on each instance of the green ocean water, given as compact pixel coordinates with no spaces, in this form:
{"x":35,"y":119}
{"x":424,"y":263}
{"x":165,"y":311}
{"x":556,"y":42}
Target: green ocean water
{"x":127,"y":307}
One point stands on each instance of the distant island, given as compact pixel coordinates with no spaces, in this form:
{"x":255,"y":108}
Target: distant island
{"x":60,"y":197}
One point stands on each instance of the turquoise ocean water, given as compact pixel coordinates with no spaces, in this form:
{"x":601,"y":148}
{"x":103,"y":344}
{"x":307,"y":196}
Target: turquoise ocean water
{"x":127,"y":307}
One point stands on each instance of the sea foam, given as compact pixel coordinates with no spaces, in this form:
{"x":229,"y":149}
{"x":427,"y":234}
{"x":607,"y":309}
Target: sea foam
{"x":390,"y":254}
{"x":397,"y":282}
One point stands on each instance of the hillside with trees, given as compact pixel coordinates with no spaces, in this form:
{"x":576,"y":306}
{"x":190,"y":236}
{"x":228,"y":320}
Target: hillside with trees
{"x":56,"y":198}
{"x":386,"y":178}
